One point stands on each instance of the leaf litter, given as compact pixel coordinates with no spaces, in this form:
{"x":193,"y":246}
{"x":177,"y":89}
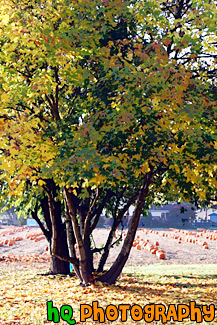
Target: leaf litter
{"x":25,"y":292}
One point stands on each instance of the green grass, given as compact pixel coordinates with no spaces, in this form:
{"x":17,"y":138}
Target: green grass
{"x":162,"y":269}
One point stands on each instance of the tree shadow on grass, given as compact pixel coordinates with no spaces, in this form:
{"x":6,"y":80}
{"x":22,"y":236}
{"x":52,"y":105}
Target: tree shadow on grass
{"x":56,"y":276}
{"x":165,"y":287}
{"x":204,"y":276}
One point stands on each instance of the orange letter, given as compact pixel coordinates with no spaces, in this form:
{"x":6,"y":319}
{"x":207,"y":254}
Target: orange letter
{"x":149,"y":313}
{"x":136,"y":312}
{"x":83,"y":314}
{"x":181,"y":314}
{"x":210,"y":312}
{"x":160,"y":311}
{"x":172,"y":313}
{"x":111,"y":313}
{"x":123,"y":308}
{"x":196,"y":313}
{"x":98,"y":312}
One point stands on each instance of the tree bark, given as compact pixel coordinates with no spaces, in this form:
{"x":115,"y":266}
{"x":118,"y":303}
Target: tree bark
{"x":86,"y":235}
{"x":115,"y":225}
{"x":97,"y":213}
{"x":83,"y":265}
{"x":107,"y":248}
{"x":71,"y":241}
{"x":57,"y":265}
{"x":46,"y":215}
{"x":113,"y":273}
{"x":60,"y":265}
{"x":41,"y":225}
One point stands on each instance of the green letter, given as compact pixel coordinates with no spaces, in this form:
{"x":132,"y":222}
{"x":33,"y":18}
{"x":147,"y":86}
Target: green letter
{"x":67,"y":315}
{"x":52,"y":312}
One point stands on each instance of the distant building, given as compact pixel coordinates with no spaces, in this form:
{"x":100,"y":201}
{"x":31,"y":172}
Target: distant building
{"x":172,"y":214}
{"x":212,"y":217}
{"x":160,"y":214}
{"x":172,"y":211}
{"x":9,"y":217}
{"x":32,"y":223}
{"x":204,"y":214}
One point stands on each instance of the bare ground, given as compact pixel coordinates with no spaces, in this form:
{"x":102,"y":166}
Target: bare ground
{"x":184,"y":253}
{"x":176,"y":253}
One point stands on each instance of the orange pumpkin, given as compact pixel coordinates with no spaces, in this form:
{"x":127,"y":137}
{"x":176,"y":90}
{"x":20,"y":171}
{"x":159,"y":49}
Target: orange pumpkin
{"x":162,"y":256}
{"x":10,"y":243}
{"x":160,"y":251}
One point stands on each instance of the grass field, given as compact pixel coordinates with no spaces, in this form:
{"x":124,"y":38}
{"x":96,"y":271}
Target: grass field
{"x":24,"y":293}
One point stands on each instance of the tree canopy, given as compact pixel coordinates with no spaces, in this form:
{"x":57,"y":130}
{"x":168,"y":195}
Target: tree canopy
{"x":105,"y":105}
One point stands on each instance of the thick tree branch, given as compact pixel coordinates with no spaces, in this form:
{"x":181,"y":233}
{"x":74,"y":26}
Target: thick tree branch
{"x":118,"y":265}
{"x":54,"y":111}
{"x":54,"y":249}
{"x":98,"y":211}
{"x":53,"y":221}
{"x":85,"y":273}
{"x":88,"y":217}
{"x":115,"y":225}
{"x":36,"y":218}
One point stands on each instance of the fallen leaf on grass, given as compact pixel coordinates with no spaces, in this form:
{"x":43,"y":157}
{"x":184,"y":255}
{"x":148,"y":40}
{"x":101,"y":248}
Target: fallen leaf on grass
{"x":24,"y":299}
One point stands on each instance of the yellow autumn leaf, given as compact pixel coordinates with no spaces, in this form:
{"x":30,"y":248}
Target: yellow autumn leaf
{"x":5,"y":98}
{"x":41,"y":183}
{"x":155,"y":101}
{"x":145,"y":168}
{"x":130,"y":57}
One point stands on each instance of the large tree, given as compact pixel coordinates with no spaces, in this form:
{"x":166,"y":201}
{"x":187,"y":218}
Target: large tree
{"x":104,"y":105}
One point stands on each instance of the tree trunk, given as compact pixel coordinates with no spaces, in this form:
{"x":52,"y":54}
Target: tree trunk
{"x":89,"y":253}
{"x":71,"y":242}
{"x":83,"y":265}
{"x":113,"y":273}
{"x":58,"y":266}
{"x":107,"y":248}
{"x":115,"y":225}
